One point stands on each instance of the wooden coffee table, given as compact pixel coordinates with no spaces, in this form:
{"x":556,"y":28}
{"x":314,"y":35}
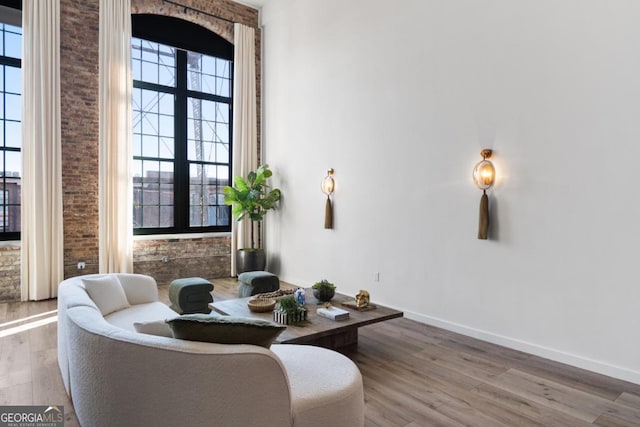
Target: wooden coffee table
{"x":335,"y":334}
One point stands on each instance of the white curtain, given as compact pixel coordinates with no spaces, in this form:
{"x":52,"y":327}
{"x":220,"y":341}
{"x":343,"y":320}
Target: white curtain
{"x":115,"y":136}
{"x":42,"y":266}
{"x":245,"y":133}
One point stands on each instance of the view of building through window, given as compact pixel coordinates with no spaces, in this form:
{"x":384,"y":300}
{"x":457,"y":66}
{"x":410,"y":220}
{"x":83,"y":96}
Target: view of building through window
{"x":10,"y":130}
{"x":181,"y":138}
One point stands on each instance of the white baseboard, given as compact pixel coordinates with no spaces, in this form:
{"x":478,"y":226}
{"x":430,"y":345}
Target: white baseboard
{"x":527,"y":347}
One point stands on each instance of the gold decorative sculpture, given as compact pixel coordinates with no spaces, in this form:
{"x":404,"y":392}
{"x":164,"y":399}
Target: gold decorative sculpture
{"x":362,"y":299}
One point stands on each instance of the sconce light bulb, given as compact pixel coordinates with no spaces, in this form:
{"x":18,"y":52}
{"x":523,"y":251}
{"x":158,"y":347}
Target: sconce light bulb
{"x":328,"y":184}
{"x":484,"y":174}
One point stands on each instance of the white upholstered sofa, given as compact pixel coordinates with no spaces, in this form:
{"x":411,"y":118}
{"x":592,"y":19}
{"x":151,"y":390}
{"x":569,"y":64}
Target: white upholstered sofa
{"x":116,"y":376}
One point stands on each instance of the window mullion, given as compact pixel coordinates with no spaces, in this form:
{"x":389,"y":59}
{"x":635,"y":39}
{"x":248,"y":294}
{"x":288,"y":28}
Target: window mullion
{"x":181,"y":175}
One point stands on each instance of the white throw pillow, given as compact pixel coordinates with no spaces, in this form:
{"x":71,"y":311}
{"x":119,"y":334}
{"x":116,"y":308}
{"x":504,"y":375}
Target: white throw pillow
{"x":107,"y":293}
{"x":155,"y":327}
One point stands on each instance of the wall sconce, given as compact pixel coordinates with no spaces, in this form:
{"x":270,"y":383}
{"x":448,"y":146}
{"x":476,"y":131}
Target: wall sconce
{"x":484,"y":175}
{"x":328,"y":184}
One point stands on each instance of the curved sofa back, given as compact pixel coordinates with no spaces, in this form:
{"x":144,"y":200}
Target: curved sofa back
{"x":71,"y":293}
{"x":118,"y":376}
{"x":122,"y":377}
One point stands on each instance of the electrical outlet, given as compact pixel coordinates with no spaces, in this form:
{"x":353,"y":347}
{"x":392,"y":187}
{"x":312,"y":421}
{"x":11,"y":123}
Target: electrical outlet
{"x":165,"y":259}
{"x":376,"y":276}
{"x":82,"y":265}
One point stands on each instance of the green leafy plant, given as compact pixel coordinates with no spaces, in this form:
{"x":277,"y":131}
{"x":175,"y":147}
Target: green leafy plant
{"x":295,"y":313}
{"x":324,"y":285}
{"x":251,"y":199}
{"x":288,"y":305}
{"x":324,"y":290}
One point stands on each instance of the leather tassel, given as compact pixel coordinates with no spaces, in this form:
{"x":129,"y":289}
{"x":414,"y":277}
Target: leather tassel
{"x":483,"y":226}
{"x":328,"y":214}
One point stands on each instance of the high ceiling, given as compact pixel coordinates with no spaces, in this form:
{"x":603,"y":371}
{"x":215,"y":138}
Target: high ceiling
{"x":253,"y":3}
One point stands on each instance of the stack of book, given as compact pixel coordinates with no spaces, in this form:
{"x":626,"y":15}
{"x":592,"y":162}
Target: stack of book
{"x":333,"y":313}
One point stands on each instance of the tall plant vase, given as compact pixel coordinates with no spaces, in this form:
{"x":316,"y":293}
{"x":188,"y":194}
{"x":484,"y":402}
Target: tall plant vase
{"x":250,"y":260}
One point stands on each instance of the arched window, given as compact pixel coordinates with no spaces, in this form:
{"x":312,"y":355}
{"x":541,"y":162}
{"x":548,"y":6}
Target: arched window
{"x":182,"y":121}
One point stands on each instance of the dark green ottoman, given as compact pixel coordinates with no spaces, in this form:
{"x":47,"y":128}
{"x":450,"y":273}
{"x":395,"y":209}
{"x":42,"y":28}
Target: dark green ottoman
{"x":190,"y":295}
{"x":257,"y":282}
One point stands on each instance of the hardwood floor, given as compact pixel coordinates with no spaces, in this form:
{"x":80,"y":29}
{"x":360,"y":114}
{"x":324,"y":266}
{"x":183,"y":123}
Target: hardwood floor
{"x":414,"y":375}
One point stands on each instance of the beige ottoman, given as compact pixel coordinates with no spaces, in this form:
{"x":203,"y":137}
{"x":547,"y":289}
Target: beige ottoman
{"x":326,"y":389}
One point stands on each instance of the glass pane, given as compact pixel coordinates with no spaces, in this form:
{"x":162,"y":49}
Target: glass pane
{"x":223,"y":68}
{"x":12,"y":42}
{"x":223,"y":87}
{"x":13,"y":80}
{"x":2,"y":77}
{"x":166,"y":125}
{"x":150,"y":216}
{"x":13,"y":134}
{"x":149,"y":146}
{"x":149,"y":51}
{"x":149,"y":101}
{"x":167,"y":76}
{"x":166,"y":148}
{"x":136,"y":69}
{"x":13,"y":164}
{"x":150,"y":124}
{"x":137,"y":171}
{"x":10,"y":205}
{"x":149,"y":72}
{"x":166,"y":216}
{"x":136,"y":52}
{"x":223,"y":176}
{"x":166,"y":104}
{"x":222,"y":112}
{"x":151,"y":196}
{"x":222,"y":153}
{"x":13,"y":107}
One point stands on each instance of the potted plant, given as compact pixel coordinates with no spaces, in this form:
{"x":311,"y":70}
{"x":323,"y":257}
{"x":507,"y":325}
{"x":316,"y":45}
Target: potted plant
{"x":251,"y":199}
{"x":323,"y":290}
{"x":288,"y":311}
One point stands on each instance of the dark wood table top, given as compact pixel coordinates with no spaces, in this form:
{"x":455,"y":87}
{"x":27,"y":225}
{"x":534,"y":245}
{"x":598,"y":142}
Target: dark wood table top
{"x":316,"y":326}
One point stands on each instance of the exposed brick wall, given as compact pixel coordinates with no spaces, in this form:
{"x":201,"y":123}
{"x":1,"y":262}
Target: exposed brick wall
{"x":79,"y":102}
{"x":199,"y":257}
{"x":10,"y":273}
{"x":79,"y":20}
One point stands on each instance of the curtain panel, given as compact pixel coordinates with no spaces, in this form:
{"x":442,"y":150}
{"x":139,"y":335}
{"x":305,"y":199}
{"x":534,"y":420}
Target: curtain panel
{"x":115,"y":138}
{"x":245,"y":133}
{"x":42,"y":265}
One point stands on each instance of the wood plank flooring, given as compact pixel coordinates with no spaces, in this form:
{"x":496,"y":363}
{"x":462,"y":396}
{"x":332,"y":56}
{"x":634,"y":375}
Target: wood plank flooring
{"x":414,"y":375}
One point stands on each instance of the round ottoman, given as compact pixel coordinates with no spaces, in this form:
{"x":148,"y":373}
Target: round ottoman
{"x":330,"y":394}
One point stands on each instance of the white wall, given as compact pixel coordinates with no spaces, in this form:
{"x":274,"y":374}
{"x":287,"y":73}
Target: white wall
{"x":399,"y":98}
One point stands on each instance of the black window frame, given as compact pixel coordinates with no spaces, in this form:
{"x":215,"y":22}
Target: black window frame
{"x":17,"y":63}
{"x":184,"y":36}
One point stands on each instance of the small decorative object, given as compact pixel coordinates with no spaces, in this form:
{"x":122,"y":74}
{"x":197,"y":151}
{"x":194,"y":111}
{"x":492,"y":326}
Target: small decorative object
{"x":333,"y":313}
{"x":261,"y":305}
{"x":328,"y":185}
{"x":362,"y":302}
{"x":484,"y":176}
{"x":276,"y":294}
{"x":288,"y":311}
{"x":362,"y":299}
{"x":324,"y":291}
{"x":299,"y":296}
